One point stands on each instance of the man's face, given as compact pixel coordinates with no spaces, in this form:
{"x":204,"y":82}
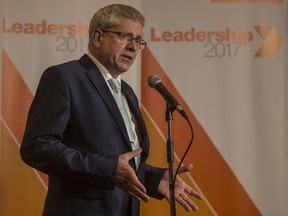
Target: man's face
{"x":116,"y":54}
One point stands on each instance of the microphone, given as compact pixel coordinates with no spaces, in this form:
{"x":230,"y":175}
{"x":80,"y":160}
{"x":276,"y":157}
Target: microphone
{"x":154,"y":81}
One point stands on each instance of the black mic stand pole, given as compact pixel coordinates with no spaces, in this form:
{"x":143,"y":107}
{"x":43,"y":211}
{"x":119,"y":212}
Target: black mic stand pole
{"x":170,"y":159}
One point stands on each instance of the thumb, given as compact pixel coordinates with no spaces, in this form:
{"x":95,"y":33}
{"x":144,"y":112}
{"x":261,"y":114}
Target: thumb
{"x":185,"y":168}
{"x":134,"y":153}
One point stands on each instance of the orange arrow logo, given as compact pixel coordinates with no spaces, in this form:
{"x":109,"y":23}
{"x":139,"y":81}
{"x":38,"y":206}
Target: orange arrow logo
{"x":272,"y":41}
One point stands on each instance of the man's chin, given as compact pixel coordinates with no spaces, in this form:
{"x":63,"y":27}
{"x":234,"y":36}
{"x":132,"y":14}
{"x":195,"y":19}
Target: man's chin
{"x":123,"y":69}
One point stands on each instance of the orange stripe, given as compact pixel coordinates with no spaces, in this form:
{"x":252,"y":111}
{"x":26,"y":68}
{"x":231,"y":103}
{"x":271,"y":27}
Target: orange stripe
{"x":19,"y":185}
{"x":210,"y":171}
{"x":16,"y":100}
{"x":158,"y":158}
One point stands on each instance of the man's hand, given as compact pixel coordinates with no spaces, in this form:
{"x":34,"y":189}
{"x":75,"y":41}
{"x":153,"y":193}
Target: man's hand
{"x":126,"y":178}
{"x":181,"y":189}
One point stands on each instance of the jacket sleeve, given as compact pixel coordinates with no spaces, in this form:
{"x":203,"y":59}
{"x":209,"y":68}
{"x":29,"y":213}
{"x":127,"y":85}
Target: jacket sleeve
{"x":43,"y":147}
{"x":153,"y":175}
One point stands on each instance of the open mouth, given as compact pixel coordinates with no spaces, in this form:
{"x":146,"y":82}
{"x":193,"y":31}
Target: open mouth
{"x":128,"y":57}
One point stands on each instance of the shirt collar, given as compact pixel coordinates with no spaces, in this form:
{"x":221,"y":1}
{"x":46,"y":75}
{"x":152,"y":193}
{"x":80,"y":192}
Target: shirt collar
{"x":105,"y":73}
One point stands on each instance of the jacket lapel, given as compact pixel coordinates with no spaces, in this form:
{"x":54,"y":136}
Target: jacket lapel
{"x":96,"y":78}
{"x":100,"y":85}
{"x":134,"y":107}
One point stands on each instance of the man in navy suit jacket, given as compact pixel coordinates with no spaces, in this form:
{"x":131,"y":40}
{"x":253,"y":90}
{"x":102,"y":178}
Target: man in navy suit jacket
{"x":75,"y":132}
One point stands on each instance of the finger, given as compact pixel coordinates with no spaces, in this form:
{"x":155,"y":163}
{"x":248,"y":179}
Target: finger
{"x":136,"y":188}
{"x":188,"y":189}
{"x":186,"y":202}
{"x":134,"y":181}
{"x":185,"y":168}
{"x":133,"y":187}
{"x":134,"y":153}
{"x":140,"y":195}
{"x":194,"y":193}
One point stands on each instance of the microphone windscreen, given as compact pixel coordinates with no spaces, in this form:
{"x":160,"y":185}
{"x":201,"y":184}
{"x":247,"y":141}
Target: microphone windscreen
{"x":153,"y":80}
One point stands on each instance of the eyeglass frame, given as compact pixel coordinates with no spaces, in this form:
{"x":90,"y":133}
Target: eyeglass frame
{"x":129,"y":37}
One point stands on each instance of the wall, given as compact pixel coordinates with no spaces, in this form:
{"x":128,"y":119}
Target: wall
{"x":225,"y":62}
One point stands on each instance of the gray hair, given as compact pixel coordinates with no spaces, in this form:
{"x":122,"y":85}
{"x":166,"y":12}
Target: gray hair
{"x":107,"y":18}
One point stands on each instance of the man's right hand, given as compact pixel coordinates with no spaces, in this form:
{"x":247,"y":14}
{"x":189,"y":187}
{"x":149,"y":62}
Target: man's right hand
{"x":126,"y":178}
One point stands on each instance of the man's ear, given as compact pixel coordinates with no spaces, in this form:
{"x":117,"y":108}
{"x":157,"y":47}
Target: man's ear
{"x":97,"y":39}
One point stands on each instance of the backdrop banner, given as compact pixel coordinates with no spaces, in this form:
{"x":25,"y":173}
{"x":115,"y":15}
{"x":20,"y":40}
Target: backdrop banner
{"x":223,"y":60}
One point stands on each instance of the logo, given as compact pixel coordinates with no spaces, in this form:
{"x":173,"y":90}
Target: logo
{"x":45,"y":28}
{"x":193,"y":34}
{"x":68,"y":37}
{"x":272,"y":41}
{"x":224,"y":42}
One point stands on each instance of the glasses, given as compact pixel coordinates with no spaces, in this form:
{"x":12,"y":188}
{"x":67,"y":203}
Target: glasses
{"x":128,"y":37}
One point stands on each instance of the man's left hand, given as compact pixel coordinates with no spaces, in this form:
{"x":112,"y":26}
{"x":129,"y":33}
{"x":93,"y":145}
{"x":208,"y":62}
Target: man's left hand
{"x":182,"y":190}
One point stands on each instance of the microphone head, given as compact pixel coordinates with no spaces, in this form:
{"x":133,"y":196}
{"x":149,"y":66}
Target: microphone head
{"x":153,"y":80}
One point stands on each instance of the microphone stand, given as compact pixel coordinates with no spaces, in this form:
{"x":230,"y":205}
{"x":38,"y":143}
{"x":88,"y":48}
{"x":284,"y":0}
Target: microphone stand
{"x":170,"y":159}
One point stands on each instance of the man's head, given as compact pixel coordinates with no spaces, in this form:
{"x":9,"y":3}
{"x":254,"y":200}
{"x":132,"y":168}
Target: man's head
{"x":107,"y":18}
{"x":115,"y":37}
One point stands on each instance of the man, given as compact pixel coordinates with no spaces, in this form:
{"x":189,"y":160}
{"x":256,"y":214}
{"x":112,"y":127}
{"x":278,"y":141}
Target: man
{"x":77,"y":135}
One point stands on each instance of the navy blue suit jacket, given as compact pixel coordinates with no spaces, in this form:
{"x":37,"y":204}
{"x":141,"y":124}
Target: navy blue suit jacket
{"x":74,"y":133}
